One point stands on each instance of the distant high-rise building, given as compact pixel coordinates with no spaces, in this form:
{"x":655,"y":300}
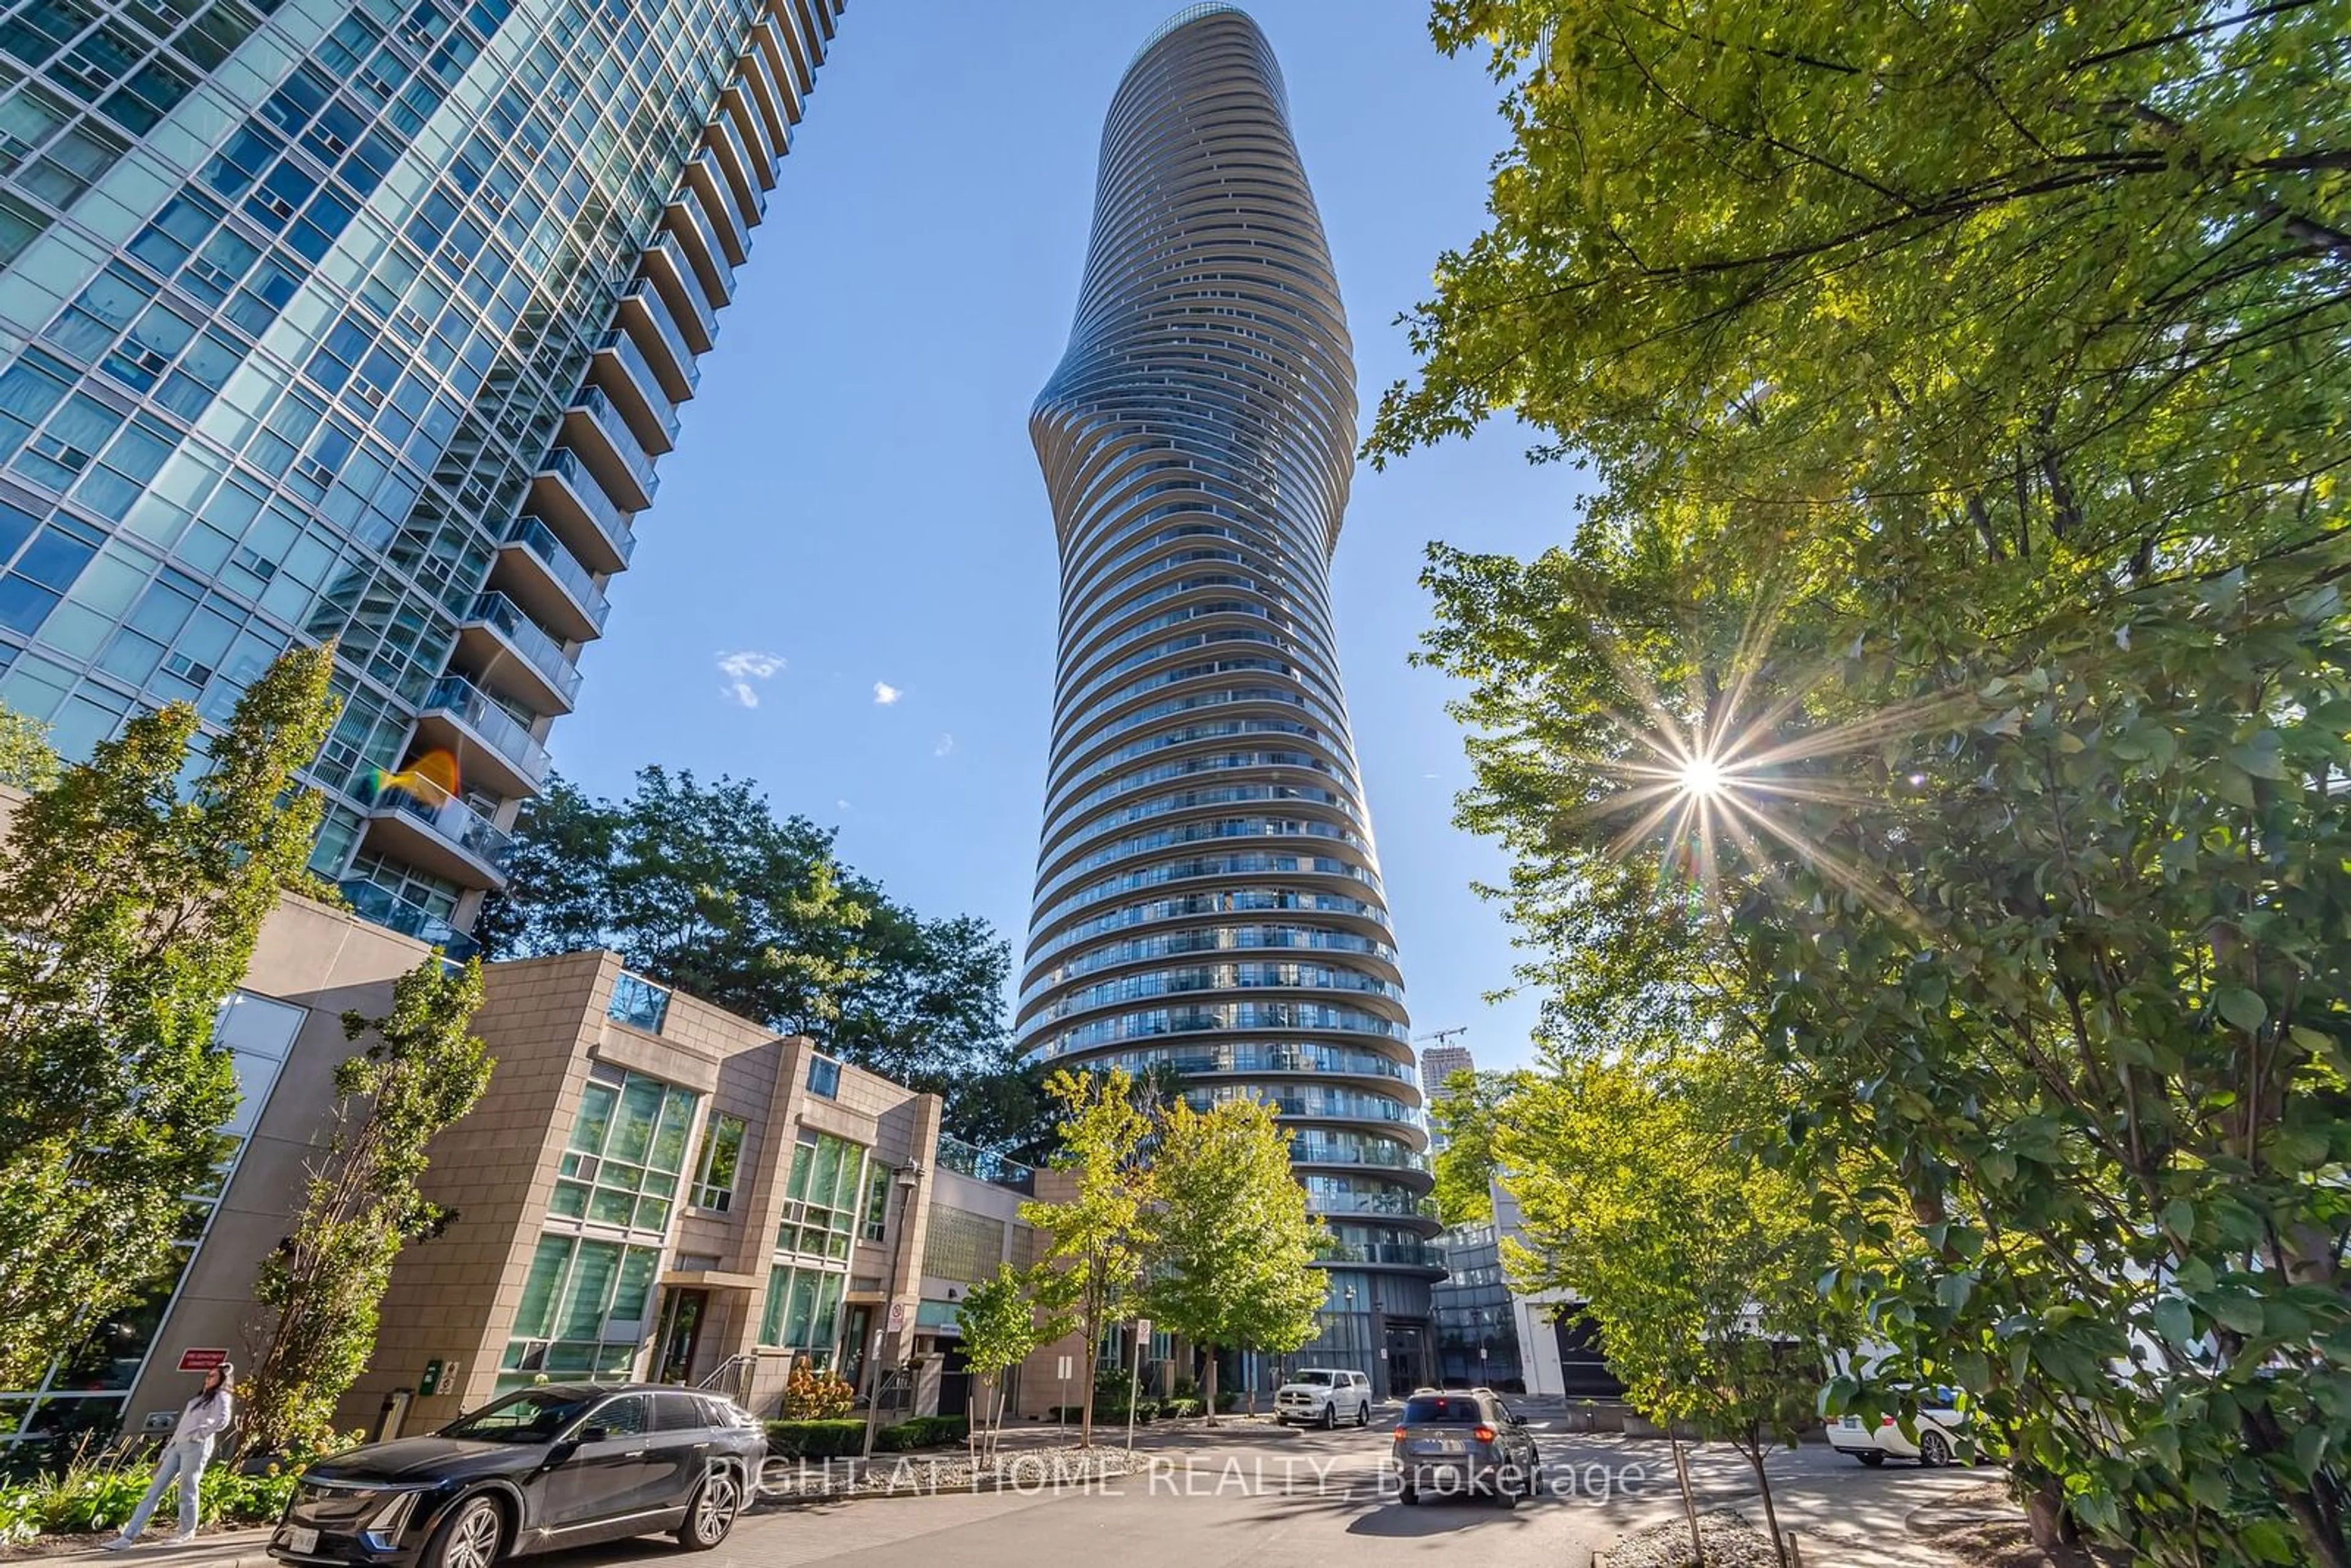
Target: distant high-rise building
{"x":1439,"y":1062}
{"x":1208,"y":895}
{"x":362,"y":320}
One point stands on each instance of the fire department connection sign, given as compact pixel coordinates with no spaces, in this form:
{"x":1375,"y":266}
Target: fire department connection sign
{"x":203,"y":1360}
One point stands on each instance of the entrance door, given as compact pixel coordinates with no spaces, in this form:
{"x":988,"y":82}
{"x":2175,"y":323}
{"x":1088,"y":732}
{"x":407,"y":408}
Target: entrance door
{"x":856,"y":1343}
{"x":681,"y":1333}
{"x":1408,"y":1359}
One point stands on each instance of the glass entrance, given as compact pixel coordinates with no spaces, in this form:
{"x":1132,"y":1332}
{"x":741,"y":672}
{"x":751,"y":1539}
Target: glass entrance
{"x":681,"y":1333}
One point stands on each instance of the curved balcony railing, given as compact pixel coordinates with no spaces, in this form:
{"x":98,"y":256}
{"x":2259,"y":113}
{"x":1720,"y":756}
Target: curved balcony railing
{"x":599,"y":408}
{"x":450,"y":820}
{"x":1393,"y":1254}
{"x":525,"y":635}
{"x":610,"y":520}
{"x":466,"y":702}
{"x":1377,"y":1154}
{"x":536,"y":536}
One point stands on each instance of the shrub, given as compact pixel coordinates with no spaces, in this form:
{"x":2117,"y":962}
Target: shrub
{"x":87,"y":1498}
{"x":1112,"y":1385}
{"x":923,"y":1432}
{"x":1227,"y":1399}
{"x":829,"y":1439}
{"x":814,"y":1393}
{"x":1187,"y":1388}
{"x":1180,"y":1406}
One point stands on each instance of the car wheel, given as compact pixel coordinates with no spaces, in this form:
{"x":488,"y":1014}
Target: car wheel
{"x":1872,"y":1460}
{"x":471,"y":1537}
{"x":1504,"y":1498}
{"x":1934,"y":1450}
{"x":1330,"y":1415}
{"x":1408,"y":1496}
{"x":711,"y":1514}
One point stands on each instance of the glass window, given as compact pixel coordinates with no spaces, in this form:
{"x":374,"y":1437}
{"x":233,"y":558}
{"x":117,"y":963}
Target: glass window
{"x":877,"y":1202}
{"x":828,"y":1180}
{"x":713,"y":1169}
{"x":583,"y":1311}
{"x":630,"y":1415}
{"x":824,"y":1076}
{"x":627,"y":1152}
{"x":803,"y":1310}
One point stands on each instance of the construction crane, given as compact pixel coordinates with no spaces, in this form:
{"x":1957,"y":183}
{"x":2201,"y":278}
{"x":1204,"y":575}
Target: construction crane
{"x":1441,"y":1035}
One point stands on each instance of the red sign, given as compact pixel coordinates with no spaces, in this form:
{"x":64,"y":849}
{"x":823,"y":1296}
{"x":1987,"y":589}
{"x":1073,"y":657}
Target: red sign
{"x":203,"y":1360}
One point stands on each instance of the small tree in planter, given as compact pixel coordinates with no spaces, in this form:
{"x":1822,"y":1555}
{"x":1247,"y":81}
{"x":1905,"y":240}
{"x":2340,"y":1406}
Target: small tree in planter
{"x":817,"y":1394}
{"x":1001,"y":1325}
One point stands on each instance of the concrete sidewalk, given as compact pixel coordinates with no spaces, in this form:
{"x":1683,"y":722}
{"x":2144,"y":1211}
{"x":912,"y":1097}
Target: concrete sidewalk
{"x":214,"y":1548}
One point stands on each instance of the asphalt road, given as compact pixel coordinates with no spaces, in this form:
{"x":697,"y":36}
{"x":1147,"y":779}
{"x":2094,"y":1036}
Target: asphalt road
{"x":1274,"y":1498}
{"x":1251,"y":1494}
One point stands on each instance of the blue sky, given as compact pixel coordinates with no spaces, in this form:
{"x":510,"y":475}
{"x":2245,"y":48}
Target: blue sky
{"x":855,"y":506}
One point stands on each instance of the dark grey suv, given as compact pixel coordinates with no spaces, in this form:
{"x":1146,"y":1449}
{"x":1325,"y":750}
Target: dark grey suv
{"x":1463,"y":1443}
{"x":560,"y":1465}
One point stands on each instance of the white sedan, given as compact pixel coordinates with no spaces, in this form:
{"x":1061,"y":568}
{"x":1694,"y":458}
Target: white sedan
{"x":1937,"y":1433}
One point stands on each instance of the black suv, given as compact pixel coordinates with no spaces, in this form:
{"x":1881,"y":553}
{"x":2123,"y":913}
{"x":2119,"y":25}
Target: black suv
{"x":560,"y":1464}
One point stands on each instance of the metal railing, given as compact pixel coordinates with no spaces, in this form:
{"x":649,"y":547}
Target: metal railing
{"x":466,"y":702}
{"x":640,"y":369}
{"x":450,"y":819}
{"x":539,"y":649}
{"x":986,"y":1165}
{"x":599,"y":408}
{"x":533,"y":535}
{"x":378,"y":906}
{"x":610,"y":520}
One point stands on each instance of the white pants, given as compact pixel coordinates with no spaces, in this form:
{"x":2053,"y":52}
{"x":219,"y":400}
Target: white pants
{"x":185,"y":1460}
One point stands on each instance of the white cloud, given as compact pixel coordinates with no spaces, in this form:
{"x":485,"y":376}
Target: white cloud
{"x":840,"y":806}
{"x":946,"y":744}
{"x":884,"y":694}
{"x":743,"y":668}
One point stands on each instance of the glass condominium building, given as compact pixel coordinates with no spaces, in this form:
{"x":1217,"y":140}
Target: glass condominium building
{"x":362,"y":320}
{"x":1208,"y":895}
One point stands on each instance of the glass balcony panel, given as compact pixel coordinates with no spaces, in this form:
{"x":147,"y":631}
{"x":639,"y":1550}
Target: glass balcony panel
{"x":534,"y":536}
{"x":450,"y":819}
{"x":697,"y":299}
{"x":656,"y":309}
{"x":468,"y":705}
{"x":381,"y":906}
{"x":644,"y":387}
{"x":602,"y":412}
{"x":587,"y":498}
{"x":544,"y":653}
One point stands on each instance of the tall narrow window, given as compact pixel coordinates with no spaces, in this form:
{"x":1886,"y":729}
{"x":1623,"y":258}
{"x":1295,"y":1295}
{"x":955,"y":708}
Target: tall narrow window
{"x":714,"y":1171}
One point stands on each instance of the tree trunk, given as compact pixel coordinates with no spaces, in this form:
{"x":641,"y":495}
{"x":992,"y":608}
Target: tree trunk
{"x":1208,"y":1386}
{"x":1755,"y":1458}
{"x":1690,"y":1503}
{"x":1086,"y":1365}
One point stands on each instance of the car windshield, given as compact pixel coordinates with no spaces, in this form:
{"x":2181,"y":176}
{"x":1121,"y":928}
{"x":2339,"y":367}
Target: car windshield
{"x":1434,"y":1412}
{"x":532,"y":1415}
{"x":1319,"y":1379}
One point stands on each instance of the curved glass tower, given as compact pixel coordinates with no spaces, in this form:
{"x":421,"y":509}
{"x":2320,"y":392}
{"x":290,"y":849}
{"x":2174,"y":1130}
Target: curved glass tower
{"x":1207,"y":893}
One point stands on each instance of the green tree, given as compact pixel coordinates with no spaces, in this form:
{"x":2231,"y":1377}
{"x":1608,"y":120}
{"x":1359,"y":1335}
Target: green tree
{"x":134,"y":906}
{"x":25,"y":760}
{"x":1232,"y":1248}
{"x":1464,"y":1116}
{"x":1001,"y":1325}
{"x":703,"y":887}
{"x":1643,"y":1197}
{"x":323,"y":1286}
{"x":1096,"y":1242}
{"x":1964,"y":393}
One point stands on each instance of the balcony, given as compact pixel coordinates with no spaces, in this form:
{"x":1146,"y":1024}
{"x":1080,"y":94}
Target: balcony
{"x":745,"y":96}
{"x":665,"y":264}
{"x":691,"y":224}
{"x":621,"y":369}
{"x":734,"y":161}
{"x":490,"y":745}
{"x":1417,"y":1255}
{"x":593,"y":428}
{"x":767,"y":40}
{"x":516,"y":657}
{"x":709,"y":182}
{"x":647,"y":317}
{"x":549,"y":581}
{"x":425,"y":826}
{"x":567,"y":498}
{"x":381,"y":906}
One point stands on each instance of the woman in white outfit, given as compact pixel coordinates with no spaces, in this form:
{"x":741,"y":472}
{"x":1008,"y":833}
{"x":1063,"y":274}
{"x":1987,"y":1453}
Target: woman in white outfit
{"x":205,"y":1417}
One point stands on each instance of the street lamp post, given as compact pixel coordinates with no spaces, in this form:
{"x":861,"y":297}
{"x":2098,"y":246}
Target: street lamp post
{"x":885,"y":1338}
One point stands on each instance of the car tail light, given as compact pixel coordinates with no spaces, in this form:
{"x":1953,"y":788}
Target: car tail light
{"x":1399,"y":1431}
{"x":1484,"y":1433}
